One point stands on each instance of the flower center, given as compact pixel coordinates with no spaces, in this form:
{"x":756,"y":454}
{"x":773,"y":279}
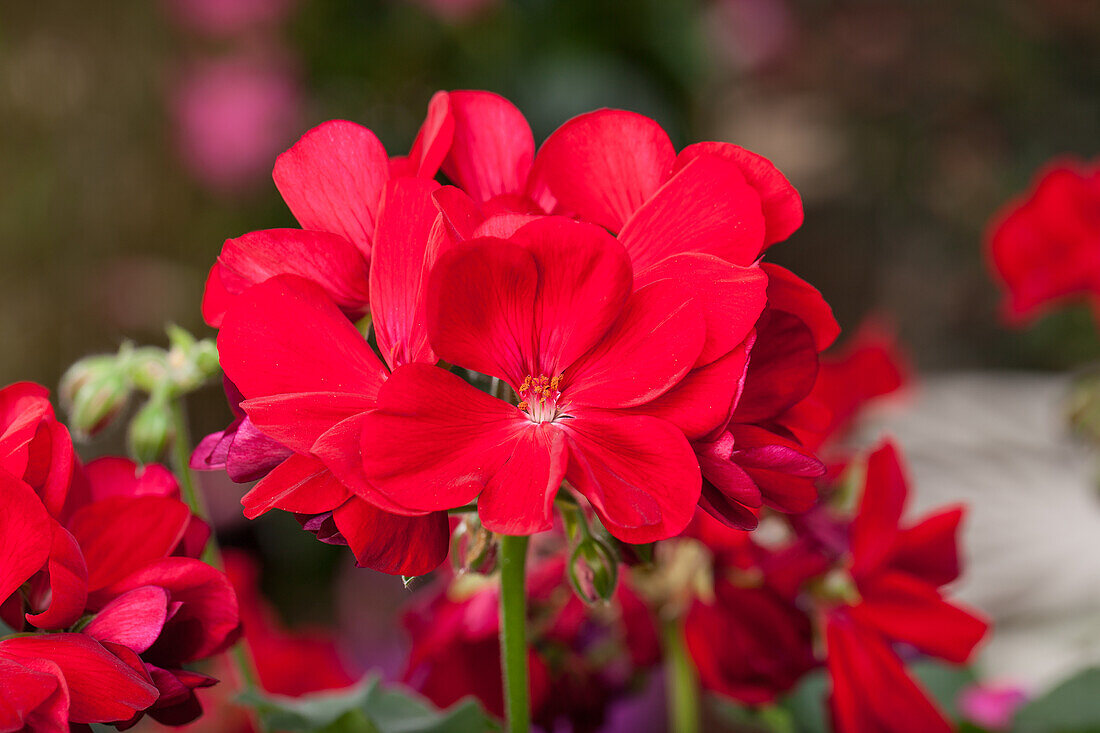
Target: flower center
{"x":539,"y":397}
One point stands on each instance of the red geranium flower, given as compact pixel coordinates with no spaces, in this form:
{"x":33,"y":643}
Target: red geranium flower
{"x":1045,"y":247}
{"x":897,"y":574}
{"x":551,"y":313}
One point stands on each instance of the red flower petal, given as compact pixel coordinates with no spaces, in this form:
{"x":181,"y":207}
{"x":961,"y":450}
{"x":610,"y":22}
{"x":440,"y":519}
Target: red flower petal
{"x":782,"y":368}
{"x":435,"y":441}
{"x":730,"y":297}
{"x":493,"y":146}
{"x":872,"y":692}
{"x":650,"y":348}
{"x":789,"y":293}
{"x":121,"y":534}
{"x":340,"y":450}
{"x":332,"y":178}
{"x":875,"y":526}
{"x":134,"y":619}
{"x":297,"y":420}
{"x":320,"y":257}
{"x":207,"y":620}
{"x":781,"y":203}
{"x":285,"y":335}
{"x":25,"y":536}
{"x":433,"y":140}
{"x":400,"y":263}
{"x":34,"y":696}
{"x":102,"y":688}
{"x":703,"y":400}
{"x":638,"y":472}
{"x":68,"y":583}
{"x":115,"y":476}
{"x":584,"y":280}
{"x":603,"y":165}
{"x":910,"y":610}
{"x":706,"y":207}
{"x":519,"y":498}
{"x":929,"y":550}
{"x":391,"y":543}
{"x":300,"y":484}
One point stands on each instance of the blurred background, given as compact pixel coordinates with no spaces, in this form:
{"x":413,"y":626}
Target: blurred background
{"x":137,"y":136}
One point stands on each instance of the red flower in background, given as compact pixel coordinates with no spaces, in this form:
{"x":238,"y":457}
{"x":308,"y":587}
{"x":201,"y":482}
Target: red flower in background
{"x":1045,"y":247}
{"x":118,"y":555}
{"x":456,"y":648}
{"x":897,"y":574}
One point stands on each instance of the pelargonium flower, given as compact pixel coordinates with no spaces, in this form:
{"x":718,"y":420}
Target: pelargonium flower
{"x":455,"y":646}
{"x":1044,"y":246}
{"x":310,"y":378}
{"x":551,"y":312}
{"x":753,"y":641}
{"x":34,"y":446}
{"x":897,"y":574}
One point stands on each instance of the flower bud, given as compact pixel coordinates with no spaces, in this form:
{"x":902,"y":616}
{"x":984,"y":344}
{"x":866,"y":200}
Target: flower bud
{"x":472,"y":546}
{"x":94,"y":391}
{"x":150,"y":431}
{"x":594,"y":570}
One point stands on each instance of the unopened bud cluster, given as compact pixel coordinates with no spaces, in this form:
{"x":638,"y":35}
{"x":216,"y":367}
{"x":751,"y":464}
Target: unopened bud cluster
{"x":96,"y":389}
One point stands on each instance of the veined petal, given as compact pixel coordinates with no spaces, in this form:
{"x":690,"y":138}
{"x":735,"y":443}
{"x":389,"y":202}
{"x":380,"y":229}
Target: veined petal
{"x":332,"y":179}
{"x":300,"y":484}
{"x":603,"y":165}
{"x":706,"y":207}
{"x":731,"y":297}
{"x":286,"y":335}
{"x":703,"y":400}
{"x":780,"y":201}
{"x":493,"y":146}
{"x":102,"y":687}
{"x":519,"y":497}
{"x":584,"y":281}
{"x":650,"y":348}
{"x":119,"y":535}
{"x":435,"y":441}
{"x":297,"y":420}
{"x":391,"y":543}
{"x":134,"y":619}
{"x":638,"y":472}
{"x":35,"y":696}
{"x":481,"y":297}
{"x":400,"y":262}
{"x":320,"y":257}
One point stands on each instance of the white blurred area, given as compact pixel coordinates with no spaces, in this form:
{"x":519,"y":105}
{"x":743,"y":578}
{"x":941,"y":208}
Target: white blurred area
{"x":1001,"y":444}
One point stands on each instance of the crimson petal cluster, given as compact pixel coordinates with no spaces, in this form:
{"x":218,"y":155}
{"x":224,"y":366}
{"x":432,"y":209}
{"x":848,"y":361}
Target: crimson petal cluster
{"x":609,"y":285}
{"x":99,"y":575}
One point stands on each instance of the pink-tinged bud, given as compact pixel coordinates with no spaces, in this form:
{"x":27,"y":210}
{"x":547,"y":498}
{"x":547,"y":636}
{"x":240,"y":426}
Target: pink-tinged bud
{"x":472,"y":546}
{"x":594,"y":571}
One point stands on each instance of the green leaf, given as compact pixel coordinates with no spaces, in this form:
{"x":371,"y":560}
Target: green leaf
{"x":1071,"y":707}
{"x":368,"y":707}
{"x":943,"y":682}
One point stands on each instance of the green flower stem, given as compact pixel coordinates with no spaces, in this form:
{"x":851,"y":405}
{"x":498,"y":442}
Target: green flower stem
{"x":513,"y":632}
{"x":681,"y":685}
{"x":181,"y":461}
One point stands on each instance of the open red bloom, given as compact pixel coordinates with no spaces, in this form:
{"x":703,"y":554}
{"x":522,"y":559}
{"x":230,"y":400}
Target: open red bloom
{"x":551,"y":313}
{"x":309,"y":378}
{"x":34,"y":446}
{"x":1045,"y":247}
{"x":897,"y":573}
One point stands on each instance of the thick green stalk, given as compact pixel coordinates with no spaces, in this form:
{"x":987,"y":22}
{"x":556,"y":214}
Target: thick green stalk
{"x":681,"y":686}
{"x":513,"y":632}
